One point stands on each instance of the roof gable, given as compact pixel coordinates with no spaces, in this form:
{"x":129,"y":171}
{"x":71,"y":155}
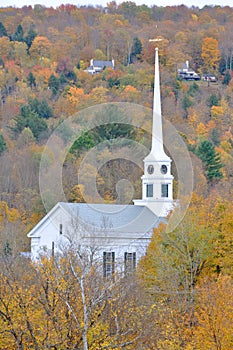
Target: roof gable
{"x":46,"y":219}
{"x":101,"y":217}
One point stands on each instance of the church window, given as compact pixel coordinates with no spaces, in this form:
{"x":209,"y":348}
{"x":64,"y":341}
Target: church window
{"x":60,"y":229}
{"x":108,"y":263}
{"x":130,"y":262}
{"x":149,"y":190}
{"x":164,"y":190}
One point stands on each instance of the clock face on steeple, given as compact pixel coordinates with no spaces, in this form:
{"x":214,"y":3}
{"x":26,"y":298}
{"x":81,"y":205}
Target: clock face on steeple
{"x":163,"y":169}
{"x":150,"y":169}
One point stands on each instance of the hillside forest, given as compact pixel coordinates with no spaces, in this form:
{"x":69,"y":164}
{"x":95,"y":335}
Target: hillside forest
{"x":181,"y":294}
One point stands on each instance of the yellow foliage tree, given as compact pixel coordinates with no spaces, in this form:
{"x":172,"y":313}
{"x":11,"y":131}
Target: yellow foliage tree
{"x":40,"y":48}
{"x":217,"y":113}
{"x":210,"y":53}
{"x":202,"y":130}
{"x":214,"y":315}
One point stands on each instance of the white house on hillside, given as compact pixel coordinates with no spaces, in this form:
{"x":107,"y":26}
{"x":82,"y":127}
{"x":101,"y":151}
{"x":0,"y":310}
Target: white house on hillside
{"x":188,"y":73}
{"x":118,"y":235}
{"x":96,"y":66}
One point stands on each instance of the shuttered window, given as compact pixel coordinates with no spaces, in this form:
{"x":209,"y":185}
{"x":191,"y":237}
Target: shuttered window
{"x":130,"y":262}
{"x":108,"y":263}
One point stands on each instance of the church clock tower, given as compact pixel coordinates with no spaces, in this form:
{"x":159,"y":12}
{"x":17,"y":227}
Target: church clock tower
{"x":157,"y":181}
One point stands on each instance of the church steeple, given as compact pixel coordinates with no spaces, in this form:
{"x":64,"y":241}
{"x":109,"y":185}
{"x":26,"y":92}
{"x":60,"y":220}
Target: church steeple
{"x":157,"y":132}
{"x":157,"y":150}
{"x":157,"y":181}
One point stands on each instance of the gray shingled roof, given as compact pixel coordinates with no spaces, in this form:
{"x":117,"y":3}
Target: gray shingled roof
{"x":113,"y":217}
{"x":102,"y":64}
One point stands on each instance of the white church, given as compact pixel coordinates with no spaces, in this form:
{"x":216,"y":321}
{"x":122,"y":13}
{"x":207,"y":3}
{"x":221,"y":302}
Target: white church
{"x":117,"y":235}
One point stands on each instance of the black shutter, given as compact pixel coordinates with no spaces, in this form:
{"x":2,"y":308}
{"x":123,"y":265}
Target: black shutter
{"x":104,"y":264}
{"x":134,"y":260}
{"x":113,"y":263}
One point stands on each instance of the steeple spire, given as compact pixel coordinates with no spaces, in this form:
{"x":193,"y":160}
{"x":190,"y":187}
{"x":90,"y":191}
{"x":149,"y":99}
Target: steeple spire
{"x":157,"y":179}
{"x":157,"y":133}
{"x":157,"y":150}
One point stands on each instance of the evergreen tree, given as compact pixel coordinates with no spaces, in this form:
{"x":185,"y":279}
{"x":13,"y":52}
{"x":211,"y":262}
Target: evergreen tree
{"x":136,"y":50}
{"x":211,"y":160}
{"x":213,"y":100}
{"x":29,"y":119}
{"x":41,"y":108}
{"x":7,"y":250}
{"x":227,"y":78}
{"x":53,"y":84}
{"x":31,"y":80}
{"x":18,"y":36}
{"x":30,"y":37}
{"x":3,"y":31}
{"x":193,"y":89}
{"x":108,"y":130}
{"x":84,"y":142}
{"x":3,"y":146}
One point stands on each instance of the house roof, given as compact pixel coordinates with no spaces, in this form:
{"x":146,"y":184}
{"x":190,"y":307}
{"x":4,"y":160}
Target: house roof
{"x":102,"y":64}
{"x":131,"y":219}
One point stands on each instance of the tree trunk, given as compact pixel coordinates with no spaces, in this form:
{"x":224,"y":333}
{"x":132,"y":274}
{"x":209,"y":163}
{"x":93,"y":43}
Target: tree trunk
{"x":85,"y":315}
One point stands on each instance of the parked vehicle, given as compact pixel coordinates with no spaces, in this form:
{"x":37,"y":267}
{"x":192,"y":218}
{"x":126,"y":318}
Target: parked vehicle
{"x":190,"y":75}
{"x":209,"y":77}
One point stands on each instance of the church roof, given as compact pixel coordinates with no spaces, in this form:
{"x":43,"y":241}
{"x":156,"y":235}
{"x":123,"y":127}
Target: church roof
{"x":114,"y":217}
{"x":136,"y":220}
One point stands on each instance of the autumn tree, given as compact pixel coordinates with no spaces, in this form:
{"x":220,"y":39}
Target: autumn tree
{"x":210,"y":54}
{"x":172,"y":267}
{"x":69,"y":303}
{"x":214,"y":314}
{"x":40,"y":48}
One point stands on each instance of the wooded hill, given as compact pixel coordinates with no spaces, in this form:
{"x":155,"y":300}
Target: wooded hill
{"x":185,"y":282}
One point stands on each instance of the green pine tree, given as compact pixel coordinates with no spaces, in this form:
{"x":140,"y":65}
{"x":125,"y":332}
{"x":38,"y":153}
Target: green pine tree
{"x":31,"y":80}
{"x":211,"y":160}
{"x":3,"y":31}
{"x":3,"y":145}
{"x":30,"y":37}
{"x":18,"y":36}
{"x":186,"y":104}
{"x":53,"y":84}
{"x":136,"y":50}
{"x":7,"y":250}
{"x":227,"y":78}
